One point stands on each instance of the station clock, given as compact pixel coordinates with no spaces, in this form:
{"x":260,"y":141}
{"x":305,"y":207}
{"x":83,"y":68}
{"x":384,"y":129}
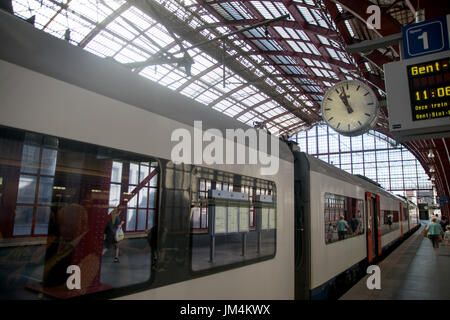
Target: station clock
{"x":350,"y":107}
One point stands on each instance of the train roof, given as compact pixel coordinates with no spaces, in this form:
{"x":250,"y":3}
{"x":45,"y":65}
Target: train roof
{"x":34,"y":49}
{"x":323,"y":167}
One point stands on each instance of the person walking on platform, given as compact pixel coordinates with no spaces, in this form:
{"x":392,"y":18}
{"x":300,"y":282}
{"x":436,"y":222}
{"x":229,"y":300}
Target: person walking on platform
{"x":434,"y":233}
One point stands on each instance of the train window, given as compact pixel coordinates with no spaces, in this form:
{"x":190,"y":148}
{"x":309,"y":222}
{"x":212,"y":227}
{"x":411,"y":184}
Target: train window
{"x":344,"y":217}
{"x":389,"y":220}
{"x":61,"y":204}
{"x":240,"y":231}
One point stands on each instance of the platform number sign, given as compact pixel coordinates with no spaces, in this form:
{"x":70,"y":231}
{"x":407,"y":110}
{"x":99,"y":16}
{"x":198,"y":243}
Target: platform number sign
{"x":426,"y":37}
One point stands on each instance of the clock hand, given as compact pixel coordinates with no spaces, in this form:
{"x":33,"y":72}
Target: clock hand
{"x":344,"y":99}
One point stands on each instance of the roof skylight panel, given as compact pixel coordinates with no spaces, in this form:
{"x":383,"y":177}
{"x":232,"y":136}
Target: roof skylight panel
{"x":93,"y":10}
{"x":294,"y":46}
{"x":192,"y":90}
{"x":349,"y":28}
{"x":220,"y":10}
{"x":144,"y":43}
{"x":262,"y":9}
{"x":274,"y":44}
{"x":308,"y":61}
{"x":106,"y":44}
{"x":297,"y":70}
{"x":325,"y":72}
{"x":342,"y":57}
{"x":314,"y":49}
{"x":139,"y":19}
{"x":283,"y":60}
{"x":282,"y":32}
{"x":253,"y":99}
{"x":222,"y":105}
{"x":257,"y":32}
{"x":260,"y":45}
{"x":286,"y":69}
{"x":223,"y":30}
{"x":317,"y":63}
{"x":131,"y":54}
{"x":207,"y":18}
{"x":242,"y":9}
{"x":25,"y":8}
{"x":335,"y":44}
{"x":307,"y":15}
{"x":332,"y":53}
{"x":119,"y":26}
{"x":160,"y":35}
{"x":304,"y":47}
{"x":319,"y":18}
{"x":231,"y":11}
{"x":292,"y":33}
{"x":270,"y":82}
{"x":194,"y":23}
{"x":310,"y":2}
{"x":323,"y":40}
{"x":245,"y":118}
{"x":302,"y":35}
{"x":232,"y":111}
{"x":326,"y":65}
{"x":174,"y":76}
{"x":268,"y":68}
{"x":273,"y":10}
{"x":280,"y":90}
{"x":78,"y":32}
{"x":281,"y":7}
{"x":206,"y":97}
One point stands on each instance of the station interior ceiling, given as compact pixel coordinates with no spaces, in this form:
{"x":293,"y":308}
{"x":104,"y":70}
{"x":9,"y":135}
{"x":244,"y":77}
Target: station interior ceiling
{"x":274,"y":75}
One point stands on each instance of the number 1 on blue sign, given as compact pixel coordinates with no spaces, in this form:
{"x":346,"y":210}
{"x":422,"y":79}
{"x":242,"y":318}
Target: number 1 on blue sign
{"x":424,"y":38}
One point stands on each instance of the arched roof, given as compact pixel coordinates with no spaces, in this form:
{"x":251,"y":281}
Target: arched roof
{"x":275,"y":74}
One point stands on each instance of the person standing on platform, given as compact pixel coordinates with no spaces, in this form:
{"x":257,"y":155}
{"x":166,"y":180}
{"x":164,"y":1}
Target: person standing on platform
{"x":434,"y":233}
{"x":110,"y":231}
{"x":444,"y":223}
{"x":447,"y":236}
{"x":342,"y":228}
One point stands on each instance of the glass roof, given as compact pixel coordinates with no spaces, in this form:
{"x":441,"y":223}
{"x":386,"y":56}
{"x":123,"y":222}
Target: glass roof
{"x":274,"y":74}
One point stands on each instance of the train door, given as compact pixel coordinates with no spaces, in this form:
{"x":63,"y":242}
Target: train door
{"x":302,"y":227}
{"x":373,"y":231}
{"x":400,"y":215}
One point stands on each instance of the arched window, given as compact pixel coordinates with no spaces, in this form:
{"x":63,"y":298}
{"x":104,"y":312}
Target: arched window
{"x":373,"y":155}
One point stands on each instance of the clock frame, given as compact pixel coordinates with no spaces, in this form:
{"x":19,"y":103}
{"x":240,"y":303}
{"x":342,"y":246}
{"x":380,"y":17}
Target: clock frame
{"x":350,"y":107}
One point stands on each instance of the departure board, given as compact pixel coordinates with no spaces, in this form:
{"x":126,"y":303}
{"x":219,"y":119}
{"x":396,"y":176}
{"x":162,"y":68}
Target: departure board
{"x":429,"y":89}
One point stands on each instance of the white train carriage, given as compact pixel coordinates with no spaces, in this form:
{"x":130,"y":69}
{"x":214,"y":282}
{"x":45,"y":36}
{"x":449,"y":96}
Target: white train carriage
{"x":85,"y":143}
{"x":329,"y":261}
{"x":83,"y":138}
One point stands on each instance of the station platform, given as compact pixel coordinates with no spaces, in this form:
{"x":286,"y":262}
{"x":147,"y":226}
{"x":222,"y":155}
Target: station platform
{"x":411,"y":272}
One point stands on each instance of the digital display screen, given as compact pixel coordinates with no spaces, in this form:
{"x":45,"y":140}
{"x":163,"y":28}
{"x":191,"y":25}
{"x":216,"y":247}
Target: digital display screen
{"x":429,"y":89}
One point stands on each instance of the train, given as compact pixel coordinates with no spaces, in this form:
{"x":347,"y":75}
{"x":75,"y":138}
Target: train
{"x":87,"y":144}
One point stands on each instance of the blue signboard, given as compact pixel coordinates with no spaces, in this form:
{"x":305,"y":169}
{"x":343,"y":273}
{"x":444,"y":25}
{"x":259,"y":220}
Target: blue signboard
{"x":425,"y":37}
{"x":442,"y":199}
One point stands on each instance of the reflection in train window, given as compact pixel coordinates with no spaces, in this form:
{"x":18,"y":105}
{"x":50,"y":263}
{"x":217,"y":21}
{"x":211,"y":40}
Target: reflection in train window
{"x":61,"y":204}
{"x":389,"y":220}
{"x":231,"y":227}
{"x":344,"y":217}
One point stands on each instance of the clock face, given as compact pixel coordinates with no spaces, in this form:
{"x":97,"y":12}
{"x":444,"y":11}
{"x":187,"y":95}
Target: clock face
{"x":350,"y":107}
